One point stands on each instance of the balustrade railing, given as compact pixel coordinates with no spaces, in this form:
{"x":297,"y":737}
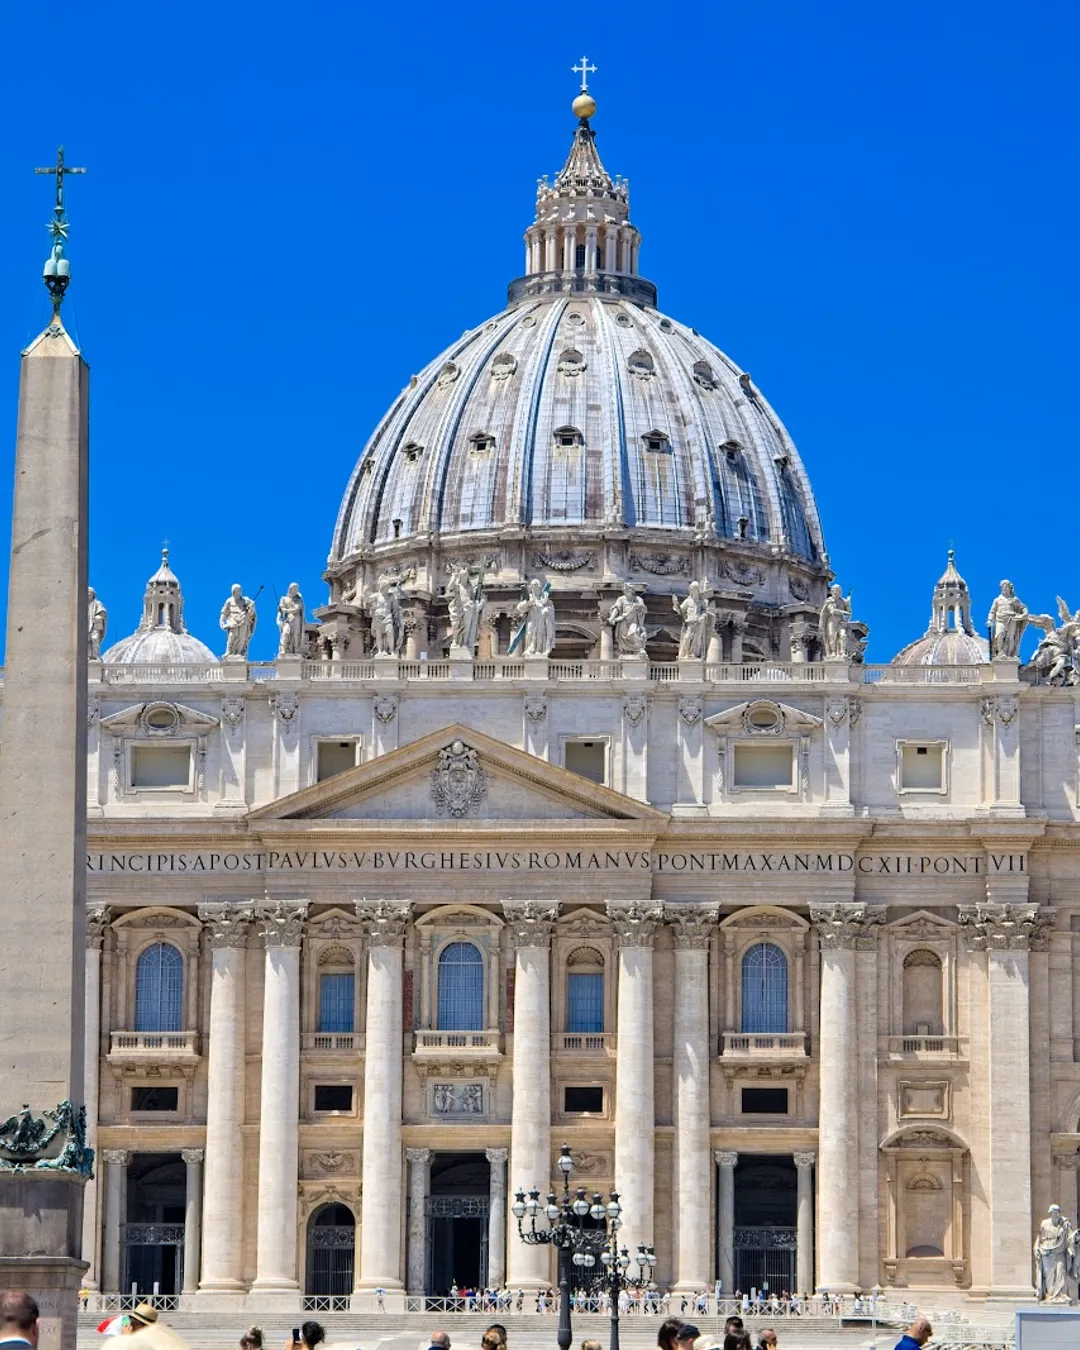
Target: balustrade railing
{"x":335,"y":1041}
{"x":765,"y":672}
{"x":923,"y":1045}
{"x":754,"y":1044}
{"x":157,"y":673}
{"x":462,"y":1041}
{"x":154,"y":1044}
{"x":584,"y":1042}
{"x":875,"y":674}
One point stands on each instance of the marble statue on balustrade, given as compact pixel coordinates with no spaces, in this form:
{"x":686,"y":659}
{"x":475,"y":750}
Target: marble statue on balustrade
{"x":697,"y":622}
{"x":465,"y":602}
{"x":1057,"y":657}
{"x":1055,"y":1257}
{"x":835,"y":624}
{"x":387,"y":623}
{"x":97,"y":620}
{"x":627,"y":618}
{"x":290,"y":622}
{"x":238,"y":623}
{"x":1007,"y":620}
{"x":538,"y":613}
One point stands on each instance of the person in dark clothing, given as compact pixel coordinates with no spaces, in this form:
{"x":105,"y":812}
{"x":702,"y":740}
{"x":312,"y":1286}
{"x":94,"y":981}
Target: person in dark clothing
{"x":916,"y":1335}
{"x":669,"y":1329}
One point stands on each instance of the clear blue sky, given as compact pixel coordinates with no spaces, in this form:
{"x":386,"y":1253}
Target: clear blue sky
{"x":292,"y":208}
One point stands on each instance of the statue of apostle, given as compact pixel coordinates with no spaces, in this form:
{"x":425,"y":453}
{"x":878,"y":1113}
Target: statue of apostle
{"x":387,"y":625}
{"x":97,"y":619}
{"x":539,"y":615}
{"x":290,"y":622}
{"x":1007,"y":620}
{"x":627,"y":617}
{"x":1053,"y":1257}
{"x":238,"y":622}
{"x":834,"y":621}
{"x":464,"y":603}
{"x":696,"y":623}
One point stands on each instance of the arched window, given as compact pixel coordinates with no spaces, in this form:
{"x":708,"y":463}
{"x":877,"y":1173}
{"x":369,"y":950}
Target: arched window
{"x":159,"y":989}
{"x":764,"y":988}
{"x":922,"y":994}
{"x":585,"y":991}
{"x":461,"y":987}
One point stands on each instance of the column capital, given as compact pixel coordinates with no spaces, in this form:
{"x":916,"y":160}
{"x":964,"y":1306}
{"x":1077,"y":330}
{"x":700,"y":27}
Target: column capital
{"x":804,"y":1159}
{"x":281,"y":923}
{"x":117,"y":1157}
{"x":498,"y":1156}
{"x":846,"y":927}
{"x":1069,"y":1161}
{"x":384,"y":921}
{"x":692,"y":926}
{"x":1004,"y":927}
{"x":634,"y":923}
{"x":530,"y":921}
{"x":193,"y":1156}
{"x":724,"y":1157}
{"x":226,"y":925}
{"x":418,"y":1155}
{"x":97,"y":925}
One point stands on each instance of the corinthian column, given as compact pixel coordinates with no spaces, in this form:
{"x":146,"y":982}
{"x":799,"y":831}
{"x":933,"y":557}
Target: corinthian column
{"x":380,"y":1230}
{"x":804,"y":1220}
{"x":116,"y":1162}
{"x":226,"y":928}
{"x":530,"y":927}
{"x":496,"y":1272}
{"x":726,"y":1160}
{"x":635,"y":1107}
{"x":1007,"y":933}
{"x":419,"y":1160}
{"x":193,"y":1164}
{"x":97,"y":924}
{"x":692,"y":928}
{"x":282,"y":925}
{"x":840,"y":929}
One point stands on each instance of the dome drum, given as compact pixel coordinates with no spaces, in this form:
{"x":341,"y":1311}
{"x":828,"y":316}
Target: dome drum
{"x":635,"y":289}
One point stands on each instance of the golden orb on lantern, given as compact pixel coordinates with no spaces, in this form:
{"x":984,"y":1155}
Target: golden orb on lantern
{"x":584,"y":105}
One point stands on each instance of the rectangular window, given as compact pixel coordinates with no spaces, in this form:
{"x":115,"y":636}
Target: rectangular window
{"x":579,"y":255}
{"x":922,"y":768}
{"x":333,"y":1096}
{"x":333,"y":757}
{"x":155,"y":1098}
{"x":764,"y":1101}
{"x":161,"y":766}
{"x":588,"y":758}
{"x":337,"y":1000}
{"x":585,"y":1002}
{"x":583,"y":1099}
{"x":764,"y":766}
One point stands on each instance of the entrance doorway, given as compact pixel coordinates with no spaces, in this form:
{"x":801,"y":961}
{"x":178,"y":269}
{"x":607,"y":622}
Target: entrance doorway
{"x":331,"y":1249}
{"x":153,"y":1239}
{"x":457,"y":1222}
{"x":765,"y":1217}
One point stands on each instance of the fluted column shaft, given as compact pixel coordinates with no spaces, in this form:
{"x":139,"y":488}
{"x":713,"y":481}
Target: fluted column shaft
{"x":221,"y":1264}
{"x":97,"y":922}
{"x":725,"y":1219}
{"x":530,"y":1113}
{"x":804,"y":1221}
{"x":635,"y":1106}
{"x":693,"y":926}
{"x":419,"y":1160}
{"x":840,"y":928}
{"x":116,"y":1164}
{"x":380,"y":1232}
{"x":282,"y":927}
{"x":496,"y":1272}
{"x":193,"y":1163}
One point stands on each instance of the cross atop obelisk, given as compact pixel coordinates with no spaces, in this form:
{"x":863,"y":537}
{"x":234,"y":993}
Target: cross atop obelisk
{"x":57,"y":268}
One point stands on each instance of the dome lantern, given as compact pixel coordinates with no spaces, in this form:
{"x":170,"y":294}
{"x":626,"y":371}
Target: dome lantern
{"x":161,"y":636}
{"x":950,"y":639}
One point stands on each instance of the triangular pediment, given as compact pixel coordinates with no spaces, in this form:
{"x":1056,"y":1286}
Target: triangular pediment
{"x":458,"y":775}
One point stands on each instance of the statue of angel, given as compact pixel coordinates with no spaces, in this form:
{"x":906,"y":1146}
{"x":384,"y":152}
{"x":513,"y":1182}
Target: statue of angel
{"x":1057,"y":657}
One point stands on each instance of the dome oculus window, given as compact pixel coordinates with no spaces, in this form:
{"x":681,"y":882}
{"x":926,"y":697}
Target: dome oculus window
{"x":568,"y":438}
{"x":412,"y":452}
{"x":657,"y":443}
{"x":704,"y":375}
{"x":571,"y":363}
{"x":482,"y":443}
{"x":641,"y":365}
{"x":503,"y":366}
{"x":447,"y":375}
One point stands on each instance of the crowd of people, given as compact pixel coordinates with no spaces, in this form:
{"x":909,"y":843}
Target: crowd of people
{"x":659,"y":1303}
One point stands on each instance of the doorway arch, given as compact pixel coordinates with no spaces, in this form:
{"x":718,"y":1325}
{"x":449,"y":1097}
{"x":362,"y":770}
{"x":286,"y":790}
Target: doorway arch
{"x":331,"y":1250}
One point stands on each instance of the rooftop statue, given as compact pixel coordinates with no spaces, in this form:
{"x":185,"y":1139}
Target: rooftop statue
{"x":697,"y":622}
{"x":1055,"y":1257}
{"x":238,"y":622}
{"x":538,"y":614}
{"x":1007,"y":620}
{"x":387,"y":624}
{"x":835,"y":622}
{"x":290,"y":622}
{"x":1057,"y":657}
{"x":97,"y":619}
{"x":627,"y":617}
{"x":465,"y":602}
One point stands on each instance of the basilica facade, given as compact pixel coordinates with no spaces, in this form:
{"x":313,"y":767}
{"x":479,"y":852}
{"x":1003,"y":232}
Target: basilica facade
{"x":577,"y":816}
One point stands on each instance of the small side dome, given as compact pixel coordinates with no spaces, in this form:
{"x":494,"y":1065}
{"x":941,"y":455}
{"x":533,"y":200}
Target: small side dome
{"x":161,"y":637}
{"x":950,"y":640}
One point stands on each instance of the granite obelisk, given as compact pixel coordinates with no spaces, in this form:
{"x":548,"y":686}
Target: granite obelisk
{"x":44,"y":1162}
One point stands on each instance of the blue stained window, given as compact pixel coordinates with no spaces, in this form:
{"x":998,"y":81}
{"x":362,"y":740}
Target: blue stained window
{"x":461,"y":987}
{"x":159,"y":989}
{"x":337,"y":999}
{"x":764,"y":989}
{"x":585,"y":1002}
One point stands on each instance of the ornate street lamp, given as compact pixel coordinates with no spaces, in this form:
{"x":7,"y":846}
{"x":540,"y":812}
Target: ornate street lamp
{"x":585,"y":1248}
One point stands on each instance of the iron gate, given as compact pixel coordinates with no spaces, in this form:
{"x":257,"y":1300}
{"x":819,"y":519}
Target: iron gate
{"x":153,"y":1256}
{"x":457,"y":1233}
{"x":330,"y":1253}
{"x":765,"y":1259}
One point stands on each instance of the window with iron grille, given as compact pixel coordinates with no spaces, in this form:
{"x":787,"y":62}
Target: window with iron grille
{"x":461,"y":987}
{"x":337,"y":999}
{"x":585,"y":1002}
{"x":764,"y":989}
{"x":159,"y":989}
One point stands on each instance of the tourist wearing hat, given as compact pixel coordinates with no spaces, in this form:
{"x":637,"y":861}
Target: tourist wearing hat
{"x":144,"y":1315}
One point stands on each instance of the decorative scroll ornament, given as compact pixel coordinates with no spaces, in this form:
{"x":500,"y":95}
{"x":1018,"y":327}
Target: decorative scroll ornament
{"x":282,"y":922}
{"x":996,"y":927}
{"x":692,"y":926}
{"x":660,"y":564}
{"x":226,"y":926}
{"x":564,"y":561}
{"x":232,"y":713}
{"x":385,"y":708}
{"x":846,"y":927}
{"x":800,"y":589}
{"x":384,"y":921}
{"x":458,"y":783}
{"x":332,"y":1162}
{"x":530,"y":922}
{"x":97,"y":925}
{"x":536,"y":709}
{"x":634,"y":924}
{"x":690,"y":710}
{"x":286,"y":706}
{"x":634,"y":708}
{"x":26,"y":1141}
{"x":743,"y":574}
